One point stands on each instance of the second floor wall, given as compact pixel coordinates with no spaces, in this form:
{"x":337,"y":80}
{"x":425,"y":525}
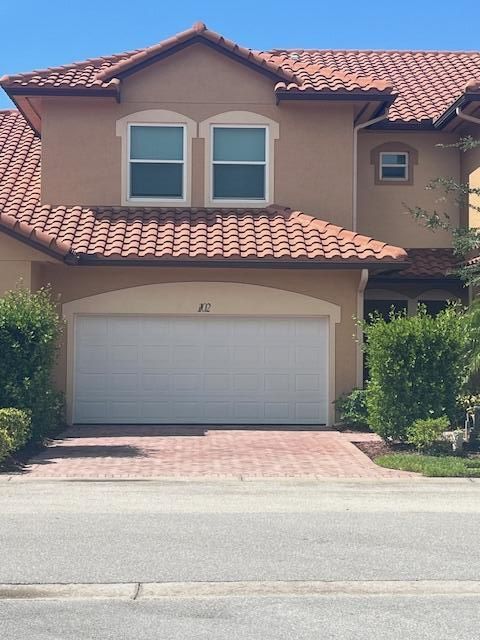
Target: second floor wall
{"x":309,"y":152}
{"x":383,"y":206}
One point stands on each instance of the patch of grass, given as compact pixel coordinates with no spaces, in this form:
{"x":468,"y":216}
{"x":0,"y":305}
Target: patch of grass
{"x":432,"y":466}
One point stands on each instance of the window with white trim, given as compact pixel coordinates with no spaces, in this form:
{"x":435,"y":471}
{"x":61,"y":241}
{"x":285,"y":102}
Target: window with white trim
{"x":393,"y":165}
{"x":239,"y":163}
{"x":156,"y":159}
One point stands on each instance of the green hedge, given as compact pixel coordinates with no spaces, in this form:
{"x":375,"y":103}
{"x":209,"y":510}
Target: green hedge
{"x":15,"y":429}
{"x":417,"y":366}
{"x":352,"y":408}
{"x":30,"y":328}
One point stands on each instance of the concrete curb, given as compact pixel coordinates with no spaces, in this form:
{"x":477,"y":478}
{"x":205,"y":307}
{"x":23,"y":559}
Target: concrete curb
{"x":138,"y":591}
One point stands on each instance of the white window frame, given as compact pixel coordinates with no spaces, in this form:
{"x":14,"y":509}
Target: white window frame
{"x":149,"y":199}
{"x":382,"y":164}
{"x":264,"y":163}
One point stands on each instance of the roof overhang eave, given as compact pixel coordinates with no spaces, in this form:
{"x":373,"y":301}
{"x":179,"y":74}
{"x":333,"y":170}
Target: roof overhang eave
{"x":386,"y":99}
{"x":258,"y":263}
{"x":451,"y":113}
{"x":91,"y":92}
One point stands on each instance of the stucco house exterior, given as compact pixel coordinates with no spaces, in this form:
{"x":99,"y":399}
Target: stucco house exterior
{"x":213,"y":218}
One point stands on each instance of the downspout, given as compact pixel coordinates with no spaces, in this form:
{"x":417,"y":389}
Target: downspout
{"x":359,"y":333}
{"x":467,"y":118}
{"x":356,"y":129}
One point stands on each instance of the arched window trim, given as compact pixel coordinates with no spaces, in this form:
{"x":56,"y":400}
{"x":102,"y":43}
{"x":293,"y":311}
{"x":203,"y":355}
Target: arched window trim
{"x":158,"y":117}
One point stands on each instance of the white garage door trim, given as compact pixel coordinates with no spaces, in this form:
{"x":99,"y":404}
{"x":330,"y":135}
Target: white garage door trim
{"x":195,"y":298}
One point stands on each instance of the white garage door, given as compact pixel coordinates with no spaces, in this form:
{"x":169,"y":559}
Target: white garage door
{"x":223,"y":370}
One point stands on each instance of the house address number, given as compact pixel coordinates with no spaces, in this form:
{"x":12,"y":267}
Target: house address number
{"x":204,"y":307}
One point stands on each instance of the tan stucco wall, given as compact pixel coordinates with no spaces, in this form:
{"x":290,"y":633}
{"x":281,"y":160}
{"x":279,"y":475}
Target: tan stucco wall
{"x":17,"y":264}
{"x":470,"y":163}
{"x":383,"y":209}
{"x":336,"y":287}
{"x":81,"y":161}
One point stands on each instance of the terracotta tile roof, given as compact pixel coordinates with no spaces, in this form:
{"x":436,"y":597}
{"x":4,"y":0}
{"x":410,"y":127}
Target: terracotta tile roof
{"x":274,"y":233}
{"x":427,"y":263}
{"x":427,"y":82}
{"x":315,"y":78}
{"x":19,"y":163}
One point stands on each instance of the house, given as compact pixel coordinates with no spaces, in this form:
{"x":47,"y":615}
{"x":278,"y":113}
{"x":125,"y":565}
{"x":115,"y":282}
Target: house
{"x":214,"y":218}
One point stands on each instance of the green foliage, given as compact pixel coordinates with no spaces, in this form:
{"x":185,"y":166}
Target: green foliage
{"x":422,"y":434}
{"x":473,"y":317}
{"x":6,"y":443}
{"x":417,"y":366}
{"x":30,"y":328}
{"x":465,"y":241}
{"x":352,"y":408}
{"x":17,"y":424}
{"x":432,"y":466}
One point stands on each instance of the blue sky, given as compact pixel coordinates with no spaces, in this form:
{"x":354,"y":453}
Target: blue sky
{"x":53,"y":32}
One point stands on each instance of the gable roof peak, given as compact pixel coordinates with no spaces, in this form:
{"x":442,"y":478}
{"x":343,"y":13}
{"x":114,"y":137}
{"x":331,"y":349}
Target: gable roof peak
{"x":199,"y":26}
{"x":198,"y":31}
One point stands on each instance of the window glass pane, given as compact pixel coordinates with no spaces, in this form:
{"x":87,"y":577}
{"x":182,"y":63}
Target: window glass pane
{"x":394,"y":158}
{"x":394,"y":172}
{"x":239,"y":181}
{"x":156,"y":180}
{"x":237,"y":144}
{"x":156,"y":143}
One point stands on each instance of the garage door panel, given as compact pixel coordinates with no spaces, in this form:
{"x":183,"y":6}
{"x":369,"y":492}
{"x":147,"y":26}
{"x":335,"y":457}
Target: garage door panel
{"x":91,"y":411}
{"x":309,"y":357}
{"x":121,"y":383}
{"x":186,"y":355}
{"x":183,"y":382}
{"x":278,"y":411}
{"x":277,"y":355}
{"x":276,"y":382}
{"x":94,"y":332}
{"x":155,"y":357}
{"x":92,"y":359}
{"x":217,"y":382}
{"x":151,"y":410}
{"x":246,"y":356}
{"x":123,"y":357}
{"x":209,"y":369}
{"x":124,"y":330}
{"x":155,"y":382}
{"x":124,"y":410}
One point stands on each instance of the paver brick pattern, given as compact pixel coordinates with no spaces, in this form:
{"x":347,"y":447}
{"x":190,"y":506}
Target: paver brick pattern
{"x":150,"y":451}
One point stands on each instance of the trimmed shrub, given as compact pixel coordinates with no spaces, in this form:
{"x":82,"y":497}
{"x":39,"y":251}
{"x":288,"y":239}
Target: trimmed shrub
{"x":422,"y":434}
{"x":352,"y":408}
{"x":30,"y":328}
{"x":6,"y":444}
{"x":417,"y":366}
{"x":15,"y":426}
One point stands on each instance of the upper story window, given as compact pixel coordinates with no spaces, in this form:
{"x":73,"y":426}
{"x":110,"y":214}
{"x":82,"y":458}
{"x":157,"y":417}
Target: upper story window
{"x":239,"y":163}
{"x":393,"y":166}
{"x":394,"y":163}
{"x":156,"y":161}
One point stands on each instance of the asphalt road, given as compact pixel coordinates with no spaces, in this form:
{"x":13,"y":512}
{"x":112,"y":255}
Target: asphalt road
{"x":162,"y":532}
{"x":342,"y":618}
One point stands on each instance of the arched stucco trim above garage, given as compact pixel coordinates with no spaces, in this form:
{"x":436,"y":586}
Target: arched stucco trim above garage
{"x":198,"y":298}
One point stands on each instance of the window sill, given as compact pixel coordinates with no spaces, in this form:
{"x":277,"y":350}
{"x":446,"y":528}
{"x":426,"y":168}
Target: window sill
{"x":220,"y":203}
{"x":155,"y":202}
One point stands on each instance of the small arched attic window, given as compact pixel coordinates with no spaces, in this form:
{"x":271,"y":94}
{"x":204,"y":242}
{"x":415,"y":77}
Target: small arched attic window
{"x":393,"y":163}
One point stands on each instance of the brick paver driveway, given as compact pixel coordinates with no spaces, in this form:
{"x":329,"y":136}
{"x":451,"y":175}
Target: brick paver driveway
{"x":146,"y":452}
